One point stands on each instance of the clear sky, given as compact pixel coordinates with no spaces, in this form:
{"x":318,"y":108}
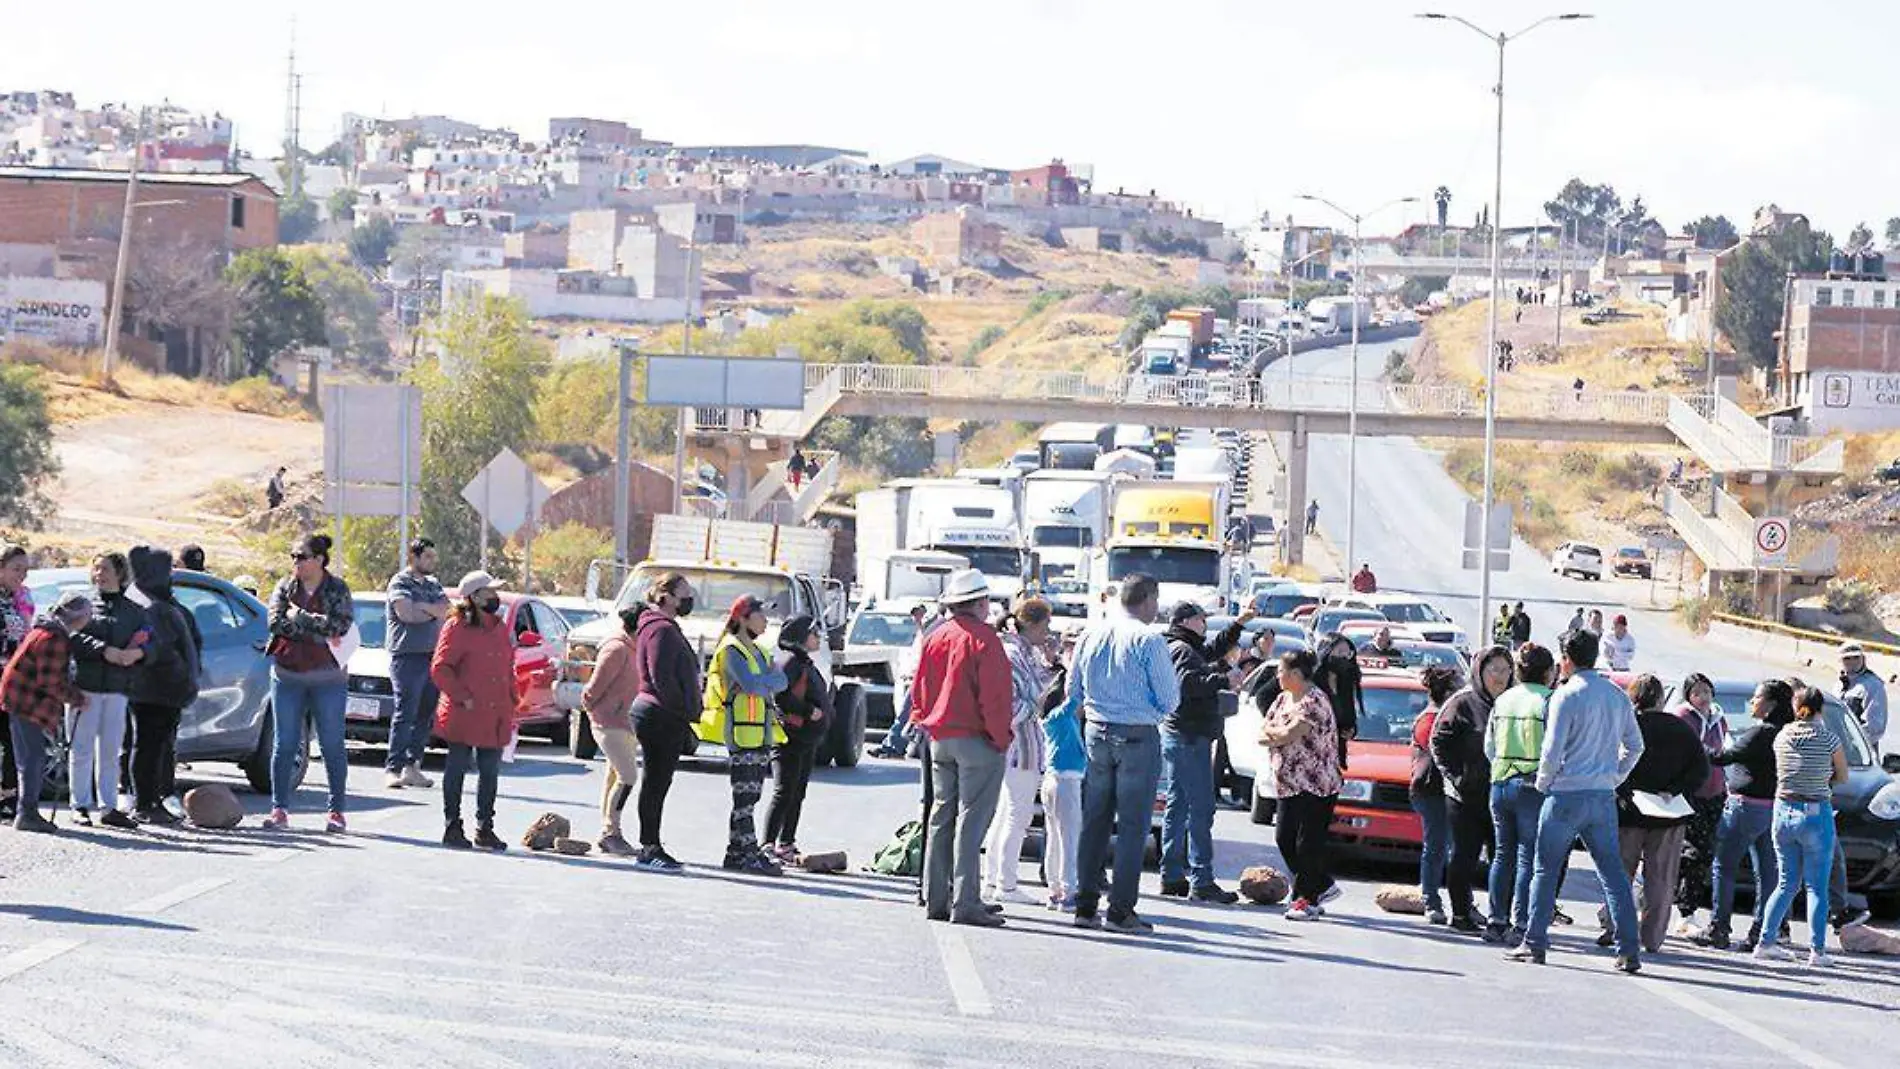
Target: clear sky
{"x":1231,"y":106}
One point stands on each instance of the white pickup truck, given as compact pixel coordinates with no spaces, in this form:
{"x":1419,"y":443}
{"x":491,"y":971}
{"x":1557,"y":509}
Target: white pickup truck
{"x":783,"y":566}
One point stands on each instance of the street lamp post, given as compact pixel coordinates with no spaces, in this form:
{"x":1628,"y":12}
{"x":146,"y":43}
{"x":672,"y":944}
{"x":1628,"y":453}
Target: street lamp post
{"x":1497,"y":269}
{"x":1352,"y":403}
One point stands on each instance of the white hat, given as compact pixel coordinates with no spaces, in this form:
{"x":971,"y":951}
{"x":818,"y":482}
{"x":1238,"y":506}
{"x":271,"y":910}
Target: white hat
{"x":1852,"y":649}
{"x":966,"y":585}
{"x":474,"y":583}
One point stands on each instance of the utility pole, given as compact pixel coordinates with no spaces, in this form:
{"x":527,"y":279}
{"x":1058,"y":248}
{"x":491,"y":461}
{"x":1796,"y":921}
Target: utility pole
{"x":686,"y":412}
{"x":115,"y":320}
{"x":626,"y":351}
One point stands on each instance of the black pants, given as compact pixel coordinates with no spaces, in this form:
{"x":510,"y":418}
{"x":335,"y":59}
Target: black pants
{"x":1471,"y":829}
{"x":10,"y":774}
{"x":154,"y":753}
{"x":662,"y":738}
{"x":791,"y":775}
{"x":487,"y":764}
{"x":1303,"y":831}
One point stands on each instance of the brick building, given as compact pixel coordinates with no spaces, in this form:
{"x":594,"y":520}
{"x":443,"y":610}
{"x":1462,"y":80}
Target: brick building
{"x":1047,"y":185}
{"x":73,"y":212}
{"x":1840,"y":351}
{"x":590,"y":501}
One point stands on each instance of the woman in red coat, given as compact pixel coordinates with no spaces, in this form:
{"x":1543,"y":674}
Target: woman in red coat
{"x":474,"y":668}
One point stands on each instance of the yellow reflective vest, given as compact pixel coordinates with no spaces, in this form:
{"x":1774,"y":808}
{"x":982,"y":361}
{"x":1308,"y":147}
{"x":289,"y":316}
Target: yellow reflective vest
{"x":752,"y":724}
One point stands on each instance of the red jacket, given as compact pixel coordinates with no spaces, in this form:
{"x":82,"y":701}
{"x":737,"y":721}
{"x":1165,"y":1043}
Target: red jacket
{"x":1364,"y":582}
{"x":475,"y":663}
{"x":38,"y":683}
{"x":963,"y":687}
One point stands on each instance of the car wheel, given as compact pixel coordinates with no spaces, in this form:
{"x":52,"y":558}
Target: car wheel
{"x":1262,"y":812}
{"x":256,"y":767}
{"x":580,"y":737}
{"x":1884,"y":907}
{"x":847,"y":733}
{"x":560,"y":731}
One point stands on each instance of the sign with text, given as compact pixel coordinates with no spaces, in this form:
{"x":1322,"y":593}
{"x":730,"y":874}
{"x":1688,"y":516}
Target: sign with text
{"x":1853,"y":400}
{"x":57,"y":311}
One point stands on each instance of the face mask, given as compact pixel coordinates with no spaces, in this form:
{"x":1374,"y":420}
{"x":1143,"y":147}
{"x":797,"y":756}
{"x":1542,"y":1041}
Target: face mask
{"x":490,"y":605}
{"x":683,"y":606}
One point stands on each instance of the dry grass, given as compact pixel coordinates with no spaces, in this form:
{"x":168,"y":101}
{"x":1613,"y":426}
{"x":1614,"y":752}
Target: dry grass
{"x":1865,"y":452}
{"x":1872,"y":556}
{"x":77,"y":391}
{"x":1568,"y":491}
{"x":1626,"y":352}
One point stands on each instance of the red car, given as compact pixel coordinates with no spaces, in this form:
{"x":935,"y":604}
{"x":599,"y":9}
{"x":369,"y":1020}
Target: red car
{"x":1374,"y":816}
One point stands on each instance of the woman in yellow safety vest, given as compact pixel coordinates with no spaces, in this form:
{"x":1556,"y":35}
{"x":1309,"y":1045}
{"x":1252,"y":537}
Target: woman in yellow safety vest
{"x":740,"y":684}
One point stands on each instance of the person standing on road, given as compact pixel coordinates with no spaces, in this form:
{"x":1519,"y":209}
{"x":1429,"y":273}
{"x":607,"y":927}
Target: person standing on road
{"x":1428,"y":793}
{"x":1300,"y":734}
{"x":1619,"y":646}
{"x":607,"y":699}
{"x":309,"y":611}
{"x":1340,"y":677}
{"x":665,"y":707}
{"x":1864,"y":694}
{"x":274,"y":489}
{"x":105,"y":654}
{"x":1062,"y":785}
{"x":805,"y":713}
{"x":897,"y":740}
{"x":1594,"y":624}
{"x":1187,"y":752}
{"x":1809,"y":764}
{"x":1520,"y":627}
{"x":964,"y":698}
{"x":474,"y":671}
{"x":1576,"y":621}
{"x":1673,"y":766}
{"x":1501,"y":627}
{"x":417,"y":607}
{"x":1312,"y":517}
{"x":1514,"y":743}
{"x":1747,"y":823}
{"x":1591,"y":742}
{"x":1457,"y":745}
{"x":1026,"y":644}
{"x":1693,"y":886}
{"x":740,"y":684}
{"x":165,"y":683}
{"x":35,"y":689}
{"x":1123,"y":686}
{"x":1364,"y":582}
{"x":16,"y":620}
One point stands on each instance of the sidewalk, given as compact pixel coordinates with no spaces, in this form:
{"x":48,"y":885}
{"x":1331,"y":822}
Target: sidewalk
{"x":1321,"y":556}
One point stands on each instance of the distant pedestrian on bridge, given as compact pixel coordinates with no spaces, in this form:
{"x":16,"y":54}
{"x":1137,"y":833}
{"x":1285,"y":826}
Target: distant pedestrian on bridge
{"x":795,"y":469}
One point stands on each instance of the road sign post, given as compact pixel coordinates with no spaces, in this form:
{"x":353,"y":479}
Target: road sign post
{"x":508,"y":497}
{"x":1499,"y":542}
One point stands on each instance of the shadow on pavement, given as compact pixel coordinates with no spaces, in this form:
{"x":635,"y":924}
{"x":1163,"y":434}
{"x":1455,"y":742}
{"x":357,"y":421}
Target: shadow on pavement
{"x":138,"y":841}
{"x":870,"y":774}
{"x":67,"y":915}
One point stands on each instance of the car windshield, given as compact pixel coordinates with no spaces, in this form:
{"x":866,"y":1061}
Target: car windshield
{"x":1389,"y":712}
{"x":1734,"y":705}
{"x":1411,"y":612}
{"x":372,"y":622}
{"x":715,"y":591}
{"x":882,"y":629}
{"x":1166,"y":564}
{"x":1279,"y":603}
{"x":1630,"y":552}
{"x":1586,"y":551}
{"x":992,"y":560}
{"x":581,"y":617}
{"x":1330,"y":619}
{"x":1426,"y":655}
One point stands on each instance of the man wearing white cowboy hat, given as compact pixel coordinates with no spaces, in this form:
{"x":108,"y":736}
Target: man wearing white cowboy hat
{"x":962,"y":701}
{"x":1863,"y":692}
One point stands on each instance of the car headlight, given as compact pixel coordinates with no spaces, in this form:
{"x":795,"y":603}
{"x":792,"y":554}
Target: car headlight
{"x":1885,"y":804}
{"x":1356,"y":790}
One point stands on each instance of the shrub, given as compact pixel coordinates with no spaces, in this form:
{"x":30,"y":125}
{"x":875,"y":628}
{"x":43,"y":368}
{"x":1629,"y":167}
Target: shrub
{"x":562,"y":554}
{"x":259,"y":395}
{"x":1043,"y":301}
{"x":1579,"y":464}
{"x":1850,"y":597}
{"x":1696,"y":613}
{"x":990,"y":336}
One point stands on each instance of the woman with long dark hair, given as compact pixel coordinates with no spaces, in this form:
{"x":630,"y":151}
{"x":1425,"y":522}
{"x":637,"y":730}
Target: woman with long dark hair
{"x":1747,"y":823}
{"x":1338,"y":674}
{"x":106,"y":655}
{"x":665,"y":708}
{"x":1809,"y":763}
{"x":1301,"y":737}
{"x":309,"y":611}
{"x":1457,"y":748}
{"x":805,"y":712}
{"x":1428,"y":793}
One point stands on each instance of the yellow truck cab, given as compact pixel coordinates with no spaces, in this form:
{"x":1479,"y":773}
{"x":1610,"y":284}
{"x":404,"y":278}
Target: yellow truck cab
{"x":1169,"y":532}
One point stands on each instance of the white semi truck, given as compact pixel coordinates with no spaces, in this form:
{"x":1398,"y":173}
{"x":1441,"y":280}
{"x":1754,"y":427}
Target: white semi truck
{"x":969,"y":519}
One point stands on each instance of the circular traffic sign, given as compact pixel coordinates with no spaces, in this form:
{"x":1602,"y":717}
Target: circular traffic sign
{"x":1771,"y":536}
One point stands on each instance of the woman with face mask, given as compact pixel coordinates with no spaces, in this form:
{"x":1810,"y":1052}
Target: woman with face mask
{"x":665,"y":708}
{"x":805,"y":711}
{"x":1457,"y":749}
{"x":309,"y":610}
{"x":1338,"y":676}
{"x":16,"y":619}
{"x":740,"y":684}
{"x":1747,"y":823}
{"x":474,"y":669}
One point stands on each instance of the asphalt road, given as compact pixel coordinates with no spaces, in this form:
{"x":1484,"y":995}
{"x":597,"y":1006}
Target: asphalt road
{"x":181,"y":948}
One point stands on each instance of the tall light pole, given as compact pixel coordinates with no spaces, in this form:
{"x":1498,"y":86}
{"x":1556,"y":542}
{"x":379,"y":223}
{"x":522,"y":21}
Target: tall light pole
{"x":1352,"y":403}
{"x":115,"y":317}
{"x":1497,"y":270}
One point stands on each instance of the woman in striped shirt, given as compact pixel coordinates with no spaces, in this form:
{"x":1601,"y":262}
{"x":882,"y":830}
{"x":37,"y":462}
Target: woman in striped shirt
{"x":1809,"y":762}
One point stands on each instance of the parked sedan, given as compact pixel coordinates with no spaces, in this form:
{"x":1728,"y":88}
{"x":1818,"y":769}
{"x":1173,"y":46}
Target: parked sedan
{"x":540,"y":637}
{"x":1632,"y":560}
{"x":231,"y":720}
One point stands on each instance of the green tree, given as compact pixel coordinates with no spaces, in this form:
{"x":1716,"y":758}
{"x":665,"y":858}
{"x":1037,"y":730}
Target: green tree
{"x":1442,"y":198}
{"x":352,"y":314}
{"x":478,"y":396}
{"x":1590,"y":209}
{"x":371,"y":243}
{"x":278,"y":308}
{"x":1420,"y":287}
{"x":576,"y":404}
{"x":1713,"y":232}
{"x":1860,"y":238}
{"x":1754,"y":285}
{"x":342,"y":204}
{"x":27,"y":460}
{"x":296,"y":219}
{"x":562,"y":554}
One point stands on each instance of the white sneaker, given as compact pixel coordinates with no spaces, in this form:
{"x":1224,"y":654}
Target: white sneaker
{"x":1017,"y":894}
{"x":1773,"y":952}
{"x":412,"y":777}
{"x":1687,"y":928}
{"x":393,"y":781}
{"x":1820,"y":959}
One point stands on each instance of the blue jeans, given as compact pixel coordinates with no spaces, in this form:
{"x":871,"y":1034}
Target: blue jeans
{"x":1516,"y":805}
{"x":896,"y":741}
{"x":487,"y":764}
{"x":1564,"y":818}
{"x":1437,"y":847}
{"x":416,"y":699}
{"x":1118,"y":797}
{"x":1804,"y":849}
{"x":1187,"y":825}
{"x":1745,"y":828}
{"x":296,"y":700}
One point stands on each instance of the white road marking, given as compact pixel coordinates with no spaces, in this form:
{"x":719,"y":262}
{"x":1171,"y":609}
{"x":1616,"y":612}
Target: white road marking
{"x":162,"y":902}
{"x":38,"y":954}
{"x":1740,"y":1026}
{"x":965,"y":985}
{"x":380,"y":816}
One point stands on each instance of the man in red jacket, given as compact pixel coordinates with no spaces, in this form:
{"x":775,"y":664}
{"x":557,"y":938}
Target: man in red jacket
{"x":962,"y":700}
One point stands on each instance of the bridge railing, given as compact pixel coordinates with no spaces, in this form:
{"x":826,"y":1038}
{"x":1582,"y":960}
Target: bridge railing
{"x":1719,"y":545}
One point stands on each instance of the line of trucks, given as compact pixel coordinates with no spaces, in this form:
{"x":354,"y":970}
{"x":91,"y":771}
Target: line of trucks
{"x":1067,"y":534}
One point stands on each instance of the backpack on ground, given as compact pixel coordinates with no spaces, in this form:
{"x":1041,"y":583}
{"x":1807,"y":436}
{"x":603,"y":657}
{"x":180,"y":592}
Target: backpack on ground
{"x":904,"y":854}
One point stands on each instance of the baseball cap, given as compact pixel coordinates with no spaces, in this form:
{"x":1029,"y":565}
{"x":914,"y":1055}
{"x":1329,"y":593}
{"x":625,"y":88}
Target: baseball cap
{"x":1185,"y":611}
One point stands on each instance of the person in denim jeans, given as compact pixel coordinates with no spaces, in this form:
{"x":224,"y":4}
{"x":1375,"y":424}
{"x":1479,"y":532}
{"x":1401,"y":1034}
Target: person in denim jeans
{"x":1514,"y":741}
{"x":1428,"y":794}
{"x":1124,"y":684}
{"x":417,"y":607}
{"x":308,"y":610}
{"x":1591,"y":742}
{"x":1187,"y":752}
{"x":1809,"y":764}
{"x":1747,"y":821}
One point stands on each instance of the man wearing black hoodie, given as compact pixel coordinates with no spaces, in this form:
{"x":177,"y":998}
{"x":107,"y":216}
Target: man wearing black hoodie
{"x":1187,"y":753}
{"x":1457,"y":747}
{"x":165,"y":682}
